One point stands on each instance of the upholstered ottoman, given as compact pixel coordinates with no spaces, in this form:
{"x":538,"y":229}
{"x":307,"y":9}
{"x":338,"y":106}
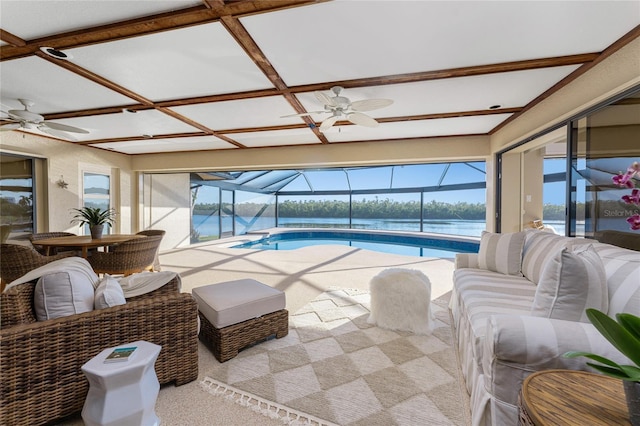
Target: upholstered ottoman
{"x":236,"y":314}
{"x":401,"y":300}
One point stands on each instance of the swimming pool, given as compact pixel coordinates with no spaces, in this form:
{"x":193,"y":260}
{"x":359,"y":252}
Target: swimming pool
{"x":408,"y":245}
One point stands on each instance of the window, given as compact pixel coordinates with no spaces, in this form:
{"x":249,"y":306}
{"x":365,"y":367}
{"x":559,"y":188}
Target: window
{"x":16,"y":197}
{"x":96,"y":193}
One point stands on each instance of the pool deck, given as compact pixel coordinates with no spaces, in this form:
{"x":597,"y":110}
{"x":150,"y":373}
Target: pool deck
{"x":302,"y":273}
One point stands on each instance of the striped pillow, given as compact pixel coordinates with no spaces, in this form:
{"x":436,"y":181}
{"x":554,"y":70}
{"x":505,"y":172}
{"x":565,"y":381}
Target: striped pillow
{"x":572,"y":281}
{"x":501,"y":252}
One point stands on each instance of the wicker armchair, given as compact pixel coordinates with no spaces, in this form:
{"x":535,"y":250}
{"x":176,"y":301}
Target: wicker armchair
{"x":132,"y":256}
{"x":150,"y":233}
{"x":41,"y":379}
{"x":16,"y":260}
{"x":43,"y":235}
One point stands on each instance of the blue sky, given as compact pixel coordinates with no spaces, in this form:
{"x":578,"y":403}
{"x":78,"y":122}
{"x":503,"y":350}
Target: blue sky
{"x":419,"y":175}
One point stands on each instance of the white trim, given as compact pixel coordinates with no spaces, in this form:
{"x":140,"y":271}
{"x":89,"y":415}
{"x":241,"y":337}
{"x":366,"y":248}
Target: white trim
{"x":273,"y":410}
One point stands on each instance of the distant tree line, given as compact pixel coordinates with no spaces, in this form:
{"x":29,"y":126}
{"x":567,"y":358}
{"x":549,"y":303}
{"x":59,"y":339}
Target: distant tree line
{"x":374,"y":209}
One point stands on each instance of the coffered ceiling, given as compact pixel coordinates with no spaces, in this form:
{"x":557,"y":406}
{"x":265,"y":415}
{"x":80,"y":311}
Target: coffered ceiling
{"x":189,"y":75}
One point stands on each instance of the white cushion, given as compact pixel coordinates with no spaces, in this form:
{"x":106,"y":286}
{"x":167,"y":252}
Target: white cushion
{"x":501,"y":252}
{"x":60,"y":294}
{"x":233,"y":302}
{"x":109,"y":293}
{"x":572,"y":281}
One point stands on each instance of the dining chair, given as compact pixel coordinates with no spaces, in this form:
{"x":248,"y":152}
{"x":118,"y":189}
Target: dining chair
{"x":16,"y":260}
{"x":44,"y":235}
{"x":126,"y":258}
{"x":152,"y":232}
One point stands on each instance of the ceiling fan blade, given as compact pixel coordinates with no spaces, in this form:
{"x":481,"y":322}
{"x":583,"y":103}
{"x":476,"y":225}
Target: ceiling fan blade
{"x":64,"y":127}
{"x":362,"y":119}
{"x":370,"y":104}
{"x":326,"y":100}
{"x":302,"y":114}
{"x":10,"y":126}
{"x":326,"y":124}
{"x":57,"y":133}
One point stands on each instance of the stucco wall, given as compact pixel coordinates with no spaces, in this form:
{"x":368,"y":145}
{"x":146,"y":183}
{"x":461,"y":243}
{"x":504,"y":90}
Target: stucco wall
{"x":63,"y":159}
{"x":167,"y":206}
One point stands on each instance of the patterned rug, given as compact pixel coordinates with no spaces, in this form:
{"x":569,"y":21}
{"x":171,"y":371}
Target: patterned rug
{"x":335,"y":368}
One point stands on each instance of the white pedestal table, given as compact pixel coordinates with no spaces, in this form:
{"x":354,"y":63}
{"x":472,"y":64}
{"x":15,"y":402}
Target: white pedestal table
{"x":122,"y":393}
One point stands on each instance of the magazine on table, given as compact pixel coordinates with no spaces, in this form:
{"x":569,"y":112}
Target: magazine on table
{"x":121,"y":354}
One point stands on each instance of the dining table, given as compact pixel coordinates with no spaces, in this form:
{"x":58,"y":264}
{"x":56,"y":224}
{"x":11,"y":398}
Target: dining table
{"x":85,"y":242}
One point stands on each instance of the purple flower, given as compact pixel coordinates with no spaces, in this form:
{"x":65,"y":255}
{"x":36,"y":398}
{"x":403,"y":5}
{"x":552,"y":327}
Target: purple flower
{"x":624,"y":180}
{"x":634,"y":221}
{"x":634,"y":198}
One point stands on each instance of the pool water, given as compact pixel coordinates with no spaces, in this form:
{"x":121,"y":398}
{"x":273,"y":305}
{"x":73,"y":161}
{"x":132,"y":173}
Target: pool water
{"x":386,"y":243}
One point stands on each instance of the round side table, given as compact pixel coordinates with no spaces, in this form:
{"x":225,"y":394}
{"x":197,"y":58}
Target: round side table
{"x":122,"y":393}
{"x":568,"y":397}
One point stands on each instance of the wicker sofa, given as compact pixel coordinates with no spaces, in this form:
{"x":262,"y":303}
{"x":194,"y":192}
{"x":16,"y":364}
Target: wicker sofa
{"x":40,"y":361}
{"x":499,"y":340}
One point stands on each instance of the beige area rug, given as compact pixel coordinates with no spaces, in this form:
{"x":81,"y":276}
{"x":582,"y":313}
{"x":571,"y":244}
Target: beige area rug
{"x":335,"y":368}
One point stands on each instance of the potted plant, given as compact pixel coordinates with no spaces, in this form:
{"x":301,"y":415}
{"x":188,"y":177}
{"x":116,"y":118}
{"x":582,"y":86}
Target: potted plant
{"x":624,"y":335}
{"x":95,"y":217}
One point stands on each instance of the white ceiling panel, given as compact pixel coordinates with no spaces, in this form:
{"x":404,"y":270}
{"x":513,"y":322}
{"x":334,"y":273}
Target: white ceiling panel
{"x":475,"y":93}
{"x":242,"y":113}
{"x":149,"y":122}
{"x":415,"y":129}
{"x":188,"y":62}
{"x":353,"y":39}
{"x":149,"y":146}
{"x":35,"y":19}
{"x":275,"y":138}
{"x":52,"y":88}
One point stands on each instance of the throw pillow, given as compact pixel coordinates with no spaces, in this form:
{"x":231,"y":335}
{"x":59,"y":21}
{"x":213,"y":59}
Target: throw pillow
{"x":109,"y":293}
{"x":573,"y":280}
{"x":61,"y":294}
{"x":501,"y":252}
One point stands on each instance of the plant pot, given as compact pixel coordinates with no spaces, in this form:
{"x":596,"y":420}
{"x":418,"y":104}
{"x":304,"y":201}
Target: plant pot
{"x":632,"y":393}
{"x":96,"y":231}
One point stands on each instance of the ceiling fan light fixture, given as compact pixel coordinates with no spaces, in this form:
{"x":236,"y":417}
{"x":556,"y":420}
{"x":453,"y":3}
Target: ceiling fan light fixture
{"x":55,"y":53}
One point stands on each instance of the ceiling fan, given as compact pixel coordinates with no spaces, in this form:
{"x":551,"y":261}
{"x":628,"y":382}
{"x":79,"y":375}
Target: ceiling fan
{"x":341,"y":107}
{"x":25,"y":119}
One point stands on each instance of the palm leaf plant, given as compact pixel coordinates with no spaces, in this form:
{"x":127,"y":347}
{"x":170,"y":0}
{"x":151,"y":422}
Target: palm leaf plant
{"x":94,"y":216}
{"x":624,"y":335}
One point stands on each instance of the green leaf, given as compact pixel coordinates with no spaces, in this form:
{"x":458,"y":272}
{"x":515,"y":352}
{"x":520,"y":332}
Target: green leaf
{"x":632,"y":372}
{"x":594,"y":357}
{"x":619,"y":337}
{"x":631,"y":323}
{"x":612,"y":372}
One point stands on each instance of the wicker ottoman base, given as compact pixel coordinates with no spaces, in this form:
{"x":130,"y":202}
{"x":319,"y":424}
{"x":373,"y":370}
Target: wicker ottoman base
{"x":226,"y":342}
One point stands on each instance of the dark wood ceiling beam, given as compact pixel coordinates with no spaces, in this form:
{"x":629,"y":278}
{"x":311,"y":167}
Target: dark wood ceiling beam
{"x":97,"y":111}
{"x":215,"y":5}
{"x":76,"y":69}
{"x":242,"y":36}
{"x":451,"y":73}
{"x":140,"y":138}
{"x":147,"y":25}
{"x":13,"y":40}
{"x":448,"y":115}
